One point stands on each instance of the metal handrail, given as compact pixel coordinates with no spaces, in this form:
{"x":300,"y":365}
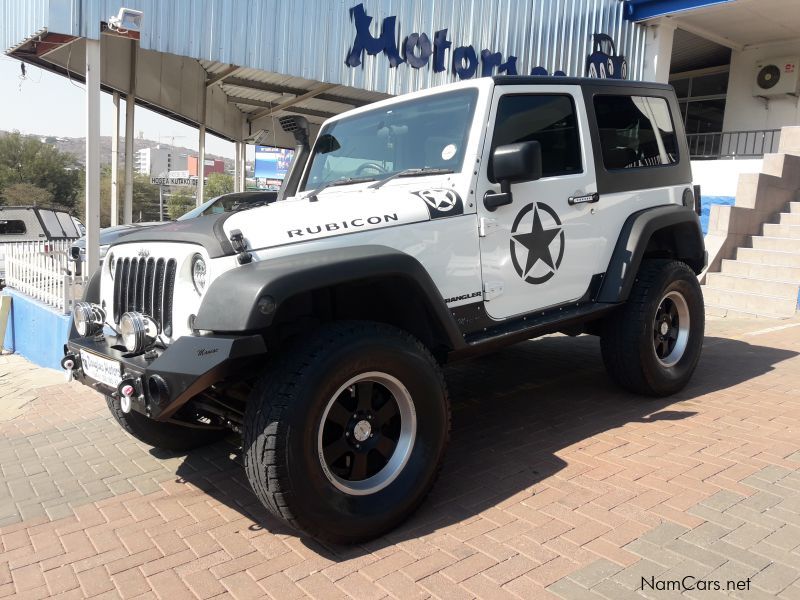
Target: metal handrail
{"x":733,"y":144}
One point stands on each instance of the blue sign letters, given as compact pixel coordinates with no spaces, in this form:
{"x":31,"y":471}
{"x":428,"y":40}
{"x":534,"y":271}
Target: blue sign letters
{"x":417,"y":51}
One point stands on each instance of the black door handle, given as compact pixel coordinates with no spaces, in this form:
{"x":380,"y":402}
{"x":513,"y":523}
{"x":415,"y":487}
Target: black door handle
{"x":493,"y":200}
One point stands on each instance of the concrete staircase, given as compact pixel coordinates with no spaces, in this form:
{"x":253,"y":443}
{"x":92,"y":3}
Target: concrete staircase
{"x":763,"y":279}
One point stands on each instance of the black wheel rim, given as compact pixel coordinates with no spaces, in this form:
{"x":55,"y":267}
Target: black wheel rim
{"x":671,"y":328}
{"x":366,"y":433}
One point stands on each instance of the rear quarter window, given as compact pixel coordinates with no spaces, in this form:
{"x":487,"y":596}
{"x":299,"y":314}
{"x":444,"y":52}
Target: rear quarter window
{"x":12,"y":227}
{"x":635,"y":132}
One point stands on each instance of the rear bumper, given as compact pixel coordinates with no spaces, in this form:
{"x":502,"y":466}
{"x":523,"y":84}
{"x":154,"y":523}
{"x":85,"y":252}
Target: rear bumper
{"x":166,"y":381}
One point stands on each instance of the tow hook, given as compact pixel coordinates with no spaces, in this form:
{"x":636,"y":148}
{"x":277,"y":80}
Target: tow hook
{"x":68,"y":364}
{"x":126,"y":391}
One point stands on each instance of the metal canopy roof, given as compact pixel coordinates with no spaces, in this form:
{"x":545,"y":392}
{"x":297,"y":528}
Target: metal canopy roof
{"x":735,"y":24}
{"x":234,"y":65}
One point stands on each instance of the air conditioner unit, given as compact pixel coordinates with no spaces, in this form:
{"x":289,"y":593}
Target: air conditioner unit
{"x":776,"y":76}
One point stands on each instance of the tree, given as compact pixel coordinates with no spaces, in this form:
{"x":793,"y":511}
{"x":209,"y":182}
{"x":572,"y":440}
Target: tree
{"x":145,"y":199}
{"x":217,"y":184}
{"x":25,"y":194}
{"x":27,"y":160}
{"x":179,"y":203}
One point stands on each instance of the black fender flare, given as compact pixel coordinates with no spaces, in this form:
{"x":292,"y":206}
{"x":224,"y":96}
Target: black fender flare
{"x":231,"y":303}
{"x":91,"y":293}
{"x":686,"y":234}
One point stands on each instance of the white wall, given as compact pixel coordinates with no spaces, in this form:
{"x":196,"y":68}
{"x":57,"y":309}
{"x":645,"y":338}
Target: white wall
{"x":745,"y":112}
{"x":720,"y":177}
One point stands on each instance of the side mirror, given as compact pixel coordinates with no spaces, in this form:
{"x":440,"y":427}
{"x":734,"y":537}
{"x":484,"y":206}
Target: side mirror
{"x":513,"y":163}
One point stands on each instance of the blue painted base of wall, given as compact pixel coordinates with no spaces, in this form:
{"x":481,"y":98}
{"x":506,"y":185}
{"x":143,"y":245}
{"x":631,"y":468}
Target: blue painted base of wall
{"x":35,"y":331}
{"x":705,"y":206}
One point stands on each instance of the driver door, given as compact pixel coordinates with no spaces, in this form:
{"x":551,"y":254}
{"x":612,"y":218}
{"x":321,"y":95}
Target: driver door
{"x":542,"y":249}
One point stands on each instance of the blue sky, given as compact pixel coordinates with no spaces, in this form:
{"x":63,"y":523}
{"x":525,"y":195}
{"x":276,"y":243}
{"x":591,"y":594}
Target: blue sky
{"x":48,"y":104}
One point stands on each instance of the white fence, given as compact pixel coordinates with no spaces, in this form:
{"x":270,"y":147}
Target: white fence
{"x":43,"y":271}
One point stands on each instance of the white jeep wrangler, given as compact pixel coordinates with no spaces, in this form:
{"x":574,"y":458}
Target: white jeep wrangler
{"x":416,"y":231}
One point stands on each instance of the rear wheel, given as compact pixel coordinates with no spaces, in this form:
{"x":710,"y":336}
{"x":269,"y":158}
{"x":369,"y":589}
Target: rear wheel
{"x":652,"y":345}
{"x":345,"y":435}
{"x":167,"y":436}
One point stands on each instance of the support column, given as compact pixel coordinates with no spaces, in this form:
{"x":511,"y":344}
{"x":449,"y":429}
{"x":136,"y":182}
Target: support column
{"x":130,"y":103}
{"x":658,"y":52}
{"x":115,"y":163}
{"x":236,"y":166}
{"x":92,"y":185}
{"x":201,"y":166}
{"x":243,"y":166}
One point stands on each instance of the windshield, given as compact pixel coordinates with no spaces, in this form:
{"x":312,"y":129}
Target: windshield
{"x":424,"y":133}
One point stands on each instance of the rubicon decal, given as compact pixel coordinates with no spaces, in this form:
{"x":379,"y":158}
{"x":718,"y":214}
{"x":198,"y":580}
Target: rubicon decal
{"x":341,"y":226}
{"x":442,"y":203}
{"x":538,"y":239}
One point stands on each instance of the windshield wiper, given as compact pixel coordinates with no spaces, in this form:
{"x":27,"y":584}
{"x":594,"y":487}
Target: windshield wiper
{"x":411,"y":173}
{"x":334,"y":182}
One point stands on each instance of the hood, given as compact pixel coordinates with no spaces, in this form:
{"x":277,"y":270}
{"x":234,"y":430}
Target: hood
{"x":337,"y":211}
{"x":350,"y":209}
{"x":206,"y":231}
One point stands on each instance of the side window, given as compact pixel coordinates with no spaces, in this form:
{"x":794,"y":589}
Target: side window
{"x":12,"y":227}
{"x":635,"y":132}
{"x":547,"y":119}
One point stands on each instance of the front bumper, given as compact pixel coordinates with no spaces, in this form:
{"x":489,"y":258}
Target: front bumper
{"x":167,"y":380}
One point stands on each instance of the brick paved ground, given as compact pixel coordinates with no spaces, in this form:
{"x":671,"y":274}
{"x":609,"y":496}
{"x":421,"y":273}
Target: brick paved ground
{"x":556,"y":485}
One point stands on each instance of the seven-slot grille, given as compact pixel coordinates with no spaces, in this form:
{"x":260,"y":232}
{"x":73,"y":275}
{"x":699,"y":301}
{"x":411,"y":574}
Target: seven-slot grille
{"x":145,"y":285}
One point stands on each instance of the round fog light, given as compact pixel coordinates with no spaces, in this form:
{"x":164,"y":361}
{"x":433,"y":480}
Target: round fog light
{"x":88,"y":318}
{"x":138,"y":331}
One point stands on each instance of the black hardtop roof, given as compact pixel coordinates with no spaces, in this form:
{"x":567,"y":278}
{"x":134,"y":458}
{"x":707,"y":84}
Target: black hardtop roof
{"x":579,"y":81}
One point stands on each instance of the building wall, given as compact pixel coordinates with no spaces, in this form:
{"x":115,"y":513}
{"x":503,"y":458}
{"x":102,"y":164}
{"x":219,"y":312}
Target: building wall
{"x":211,"y":166}
{"x":743,"y":111}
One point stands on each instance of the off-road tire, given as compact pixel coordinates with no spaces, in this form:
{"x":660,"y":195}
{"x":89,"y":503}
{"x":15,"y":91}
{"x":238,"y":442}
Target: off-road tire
{"x":627,"y":340}
{"x":166,"y":436}
{"x":285,"y":412}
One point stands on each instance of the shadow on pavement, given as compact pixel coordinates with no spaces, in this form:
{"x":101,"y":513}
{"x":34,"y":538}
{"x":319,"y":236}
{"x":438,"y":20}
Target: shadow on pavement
{"x":513,"y":411}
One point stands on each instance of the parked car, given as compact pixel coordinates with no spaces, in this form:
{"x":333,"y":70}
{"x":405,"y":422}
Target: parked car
{"x":418,"y":230}
{"x":33,"y":224}
{"x":224,"y":203}
{"x":231,"y":202}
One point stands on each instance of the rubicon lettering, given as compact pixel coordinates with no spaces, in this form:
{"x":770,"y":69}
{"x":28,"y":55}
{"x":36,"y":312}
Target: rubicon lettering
{"x":313,"y":230}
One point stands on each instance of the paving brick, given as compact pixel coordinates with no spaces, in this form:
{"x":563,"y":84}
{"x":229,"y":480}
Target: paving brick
{"x":95,"y":581}
{"x":746,"y":536}
{"x":468,"y":567}
{"x":595,"y":572}
{"x":356,"y":585}
{"x":776,"y":577}
{"x":131,"y":583}
{"x":512,"y":568}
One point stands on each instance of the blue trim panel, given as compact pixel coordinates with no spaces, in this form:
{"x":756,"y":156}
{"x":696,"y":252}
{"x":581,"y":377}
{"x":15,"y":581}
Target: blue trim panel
{"x":36,"y":331}
{"x":640,"y":10}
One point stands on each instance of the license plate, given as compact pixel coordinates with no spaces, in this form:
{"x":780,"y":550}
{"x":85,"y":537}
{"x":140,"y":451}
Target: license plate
{"x":101,"y":369}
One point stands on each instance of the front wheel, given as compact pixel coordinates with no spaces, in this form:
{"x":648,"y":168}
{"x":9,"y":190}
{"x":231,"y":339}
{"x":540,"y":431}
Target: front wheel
{"x":652,"y":345}
{"x":345,"y":435}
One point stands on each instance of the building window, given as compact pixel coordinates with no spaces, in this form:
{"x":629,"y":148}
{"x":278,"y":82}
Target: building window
{"x":547,"y":119}
{"x":702,"y":100}
{"x":14,"y":227}
{"x":635,"y":131}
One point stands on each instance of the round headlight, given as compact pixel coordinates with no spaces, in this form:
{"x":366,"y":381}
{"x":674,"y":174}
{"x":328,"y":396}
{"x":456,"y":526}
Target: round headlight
{"x":88,"y":318}
{"x":199,"y":273}
{"x":137,"y":331}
